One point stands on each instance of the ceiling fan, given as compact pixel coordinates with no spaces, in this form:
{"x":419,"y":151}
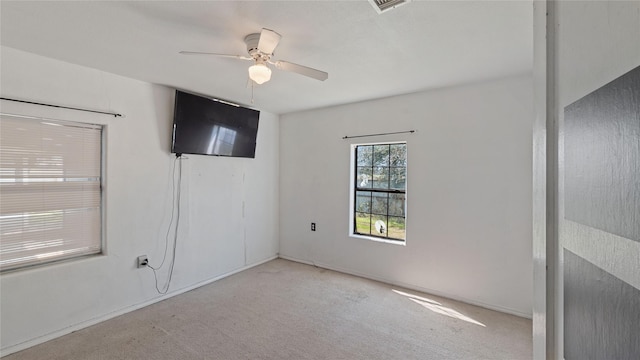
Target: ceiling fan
{"x":260,"y":47}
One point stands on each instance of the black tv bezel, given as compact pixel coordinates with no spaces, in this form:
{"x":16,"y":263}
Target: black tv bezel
{"x":220,"y":102}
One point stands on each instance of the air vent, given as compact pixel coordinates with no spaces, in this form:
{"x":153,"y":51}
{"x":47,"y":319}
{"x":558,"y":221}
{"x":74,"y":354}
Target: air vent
{"x":385,"y":5}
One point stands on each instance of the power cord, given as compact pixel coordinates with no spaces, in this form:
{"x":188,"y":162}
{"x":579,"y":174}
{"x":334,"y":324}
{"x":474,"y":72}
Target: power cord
{"x":175,"y":210}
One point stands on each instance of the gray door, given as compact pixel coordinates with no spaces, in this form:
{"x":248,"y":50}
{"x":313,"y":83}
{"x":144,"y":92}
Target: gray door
{"x":600,"y":224}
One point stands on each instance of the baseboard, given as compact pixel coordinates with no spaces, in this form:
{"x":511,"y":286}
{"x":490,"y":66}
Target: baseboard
{"x":44,"y":338}
{"x":410,"y":286}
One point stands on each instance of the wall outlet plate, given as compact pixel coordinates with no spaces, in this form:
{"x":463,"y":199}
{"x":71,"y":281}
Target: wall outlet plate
{"x":143,"y":261}
{"x":313,"y":226}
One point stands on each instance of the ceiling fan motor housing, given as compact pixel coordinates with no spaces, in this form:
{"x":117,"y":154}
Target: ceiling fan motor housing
{"x":252,"y":47}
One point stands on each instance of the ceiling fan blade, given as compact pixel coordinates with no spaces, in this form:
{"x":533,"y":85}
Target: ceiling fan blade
{"x":215,"y":54}
{"x":302,"y":70}
{"x":269,"y":39}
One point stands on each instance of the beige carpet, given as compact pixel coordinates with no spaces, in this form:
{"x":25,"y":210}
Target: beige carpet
{"x":286,"y":310}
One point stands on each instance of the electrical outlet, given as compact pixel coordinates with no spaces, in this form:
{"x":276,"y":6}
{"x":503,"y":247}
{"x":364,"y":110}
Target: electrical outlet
{"x":313,"y":226}
{"x":143,"y":261}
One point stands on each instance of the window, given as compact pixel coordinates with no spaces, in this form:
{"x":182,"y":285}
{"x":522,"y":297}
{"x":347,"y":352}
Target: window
{"x":222,"y":140}
{"x":50,"y":191}
{"x":378,"y":190}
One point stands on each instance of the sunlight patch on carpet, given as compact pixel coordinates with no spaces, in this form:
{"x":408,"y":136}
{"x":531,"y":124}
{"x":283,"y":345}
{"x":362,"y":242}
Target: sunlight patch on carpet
{"x":438,"y":308}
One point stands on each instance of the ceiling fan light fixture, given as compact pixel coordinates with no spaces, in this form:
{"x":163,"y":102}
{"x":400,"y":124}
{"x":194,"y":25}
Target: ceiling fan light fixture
{"x":259,"y":73}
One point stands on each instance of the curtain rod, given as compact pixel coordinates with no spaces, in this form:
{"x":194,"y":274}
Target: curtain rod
{"x":62,"y":107}
{"x":381,"y":134}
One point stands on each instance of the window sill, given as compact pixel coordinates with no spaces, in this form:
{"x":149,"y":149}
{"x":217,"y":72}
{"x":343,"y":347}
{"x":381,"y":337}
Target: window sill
{"x":394,"y":242}
{"x":48,"y":266}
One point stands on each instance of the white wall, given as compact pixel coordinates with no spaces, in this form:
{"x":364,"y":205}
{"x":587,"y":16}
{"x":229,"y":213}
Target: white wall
{"x":216,"y":238}
{"x":469,"y":191}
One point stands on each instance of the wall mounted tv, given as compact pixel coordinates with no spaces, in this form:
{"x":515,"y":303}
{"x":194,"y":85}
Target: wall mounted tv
{"x":207,"y":126}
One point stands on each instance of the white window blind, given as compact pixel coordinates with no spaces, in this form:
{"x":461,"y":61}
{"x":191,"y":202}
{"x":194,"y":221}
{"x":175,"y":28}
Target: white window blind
{"x":50,"y":190}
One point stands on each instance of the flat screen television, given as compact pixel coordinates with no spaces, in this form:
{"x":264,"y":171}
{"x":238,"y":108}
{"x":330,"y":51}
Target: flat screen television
{"x":207,"y":126}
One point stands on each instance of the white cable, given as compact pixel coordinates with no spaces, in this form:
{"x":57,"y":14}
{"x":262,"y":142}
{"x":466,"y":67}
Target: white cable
{"x":174,"y":210}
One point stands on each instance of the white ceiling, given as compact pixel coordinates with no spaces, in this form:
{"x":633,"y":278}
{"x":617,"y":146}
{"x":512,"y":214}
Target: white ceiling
{"x":418,"y":46}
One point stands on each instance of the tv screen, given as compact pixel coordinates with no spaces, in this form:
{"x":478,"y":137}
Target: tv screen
{"x":210,"y":127}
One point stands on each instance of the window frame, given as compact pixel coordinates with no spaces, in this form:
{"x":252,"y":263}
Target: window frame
{"x":353,"y":189}
{"x":101,"y":232}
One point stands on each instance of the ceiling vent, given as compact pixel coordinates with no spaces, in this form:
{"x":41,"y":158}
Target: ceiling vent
{"x":385,"y":5}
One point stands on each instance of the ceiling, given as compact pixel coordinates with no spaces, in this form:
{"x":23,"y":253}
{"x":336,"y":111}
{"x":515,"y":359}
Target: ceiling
{"x":418,"y":46}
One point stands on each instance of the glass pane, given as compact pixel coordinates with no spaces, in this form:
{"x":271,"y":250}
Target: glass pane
{"x":381,"y":155}
{"x":380,"y":178}
{"x":398,"y":155}
{"x":396,"y":204}
{"x":379,"y":203}
{"x":379,"y":227}
{"x":363,"y":223}
{"x":364,"y":177}
{"x":396,"y":228}
{"x":398,"y":179}
{"x":365,"y":157}
{"x":363,"y":201}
